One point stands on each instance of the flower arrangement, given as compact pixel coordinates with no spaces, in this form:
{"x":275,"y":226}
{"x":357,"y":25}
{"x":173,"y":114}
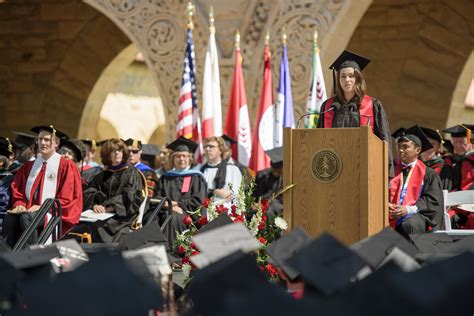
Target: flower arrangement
{"x":244,"y":208}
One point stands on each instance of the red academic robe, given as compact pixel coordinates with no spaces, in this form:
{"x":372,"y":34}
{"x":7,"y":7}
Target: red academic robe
{"x":68,"y":191}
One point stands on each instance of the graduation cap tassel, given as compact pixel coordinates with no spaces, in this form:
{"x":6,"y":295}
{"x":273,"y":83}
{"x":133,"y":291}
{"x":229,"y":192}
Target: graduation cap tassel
{"x":10,"y":146}
{"x":440,"y":136}
{"x":468,"y":132}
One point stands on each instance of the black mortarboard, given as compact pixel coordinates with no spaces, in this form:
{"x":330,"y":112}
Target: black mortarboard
{"x":102,"y":142}
{"x":68,"y":143}
{"x":4,"y":151}
{"x":399,"y":132}
{"x":101,"y":284}
{"x":326,"y":264}
{"x":229,"y":140}
{"x":51,"y":129}
{"x":276,"y":157}
{"x":134,"y":143}
{"x":284,"y":248}
{"x":416,"y":135}
{"x":375,"y":248}
{"x":8,"y":144}
{"x":349,"y":59}
{"x":10,"y":277}
{"x":460,"y":130}
{"x":183,"y":144}
{"x":431,"y":244}
{"x":150,"y":150}
{"x":448,"y":145}
{"x":31,"y":258}
{"x":241,"y":288}
{"x":90,"y":142}
{"x":433,"y":134}
{"x":221,"y":220}
{"x":24,"y":139}
{"x":150,"y":234}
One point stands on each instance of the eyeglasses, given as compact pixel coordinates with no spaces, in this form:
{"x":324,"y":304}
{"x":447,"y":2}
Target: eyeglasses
{"x":210,"y":146}
{"x":135,"y":151}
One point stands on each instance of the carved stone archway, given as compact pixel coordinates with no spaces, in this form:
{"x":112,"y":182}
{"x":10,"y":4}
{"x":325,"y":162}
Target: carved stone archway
{"x":157,"y":28}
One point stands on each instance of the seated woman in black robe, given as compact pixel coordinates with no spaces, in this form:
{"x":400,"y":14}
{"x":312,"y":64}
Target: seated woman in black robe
{"x":186,"y":188}
{"x":118,"y":189}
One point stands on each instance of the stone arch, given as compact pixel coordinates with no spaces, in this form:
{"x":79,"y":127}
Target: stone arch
{"x":458,"y":111}
{"x":418,"y":50}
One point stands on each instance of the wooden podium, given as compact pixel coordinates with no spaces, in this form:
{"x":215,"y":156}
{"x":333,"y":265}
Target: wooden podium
{"x":341,"y":182}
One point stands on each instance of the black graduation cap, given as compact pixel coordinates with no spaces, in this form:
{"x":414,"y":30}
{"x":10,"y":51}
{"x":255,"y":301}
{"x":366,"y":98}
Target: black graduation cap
{"x":229,"y":140}
{"x":326,"y":264}
{"x":448,"y":145}
{"x":32,"y":258}
{"x":460,"y":130}
{"x":240,"y":288}
{"x":51,"y":129}
{"x":90,"y":142}
{"x":24,"y":140}
{"x":102,"y":142}
{"x":150,"y":150}
{"x":284,"y":248}
{"x":10,"y":277}
{"x":349,"y":59}
{"x":399,"y":132}
{"x":433,"y":134}
{"x":4,"y":151}
{"x":183,"y":144}
{"x":276,"y":157}
{"x":150,"y":234}
{"x":8,"y":144}
{"x":416,"y":135}
{"x":374,"y":249}
{"x":107,"y":285}
{"x":134,"y":143}
{"x":68,"y":143}
{"x":221,"y":220}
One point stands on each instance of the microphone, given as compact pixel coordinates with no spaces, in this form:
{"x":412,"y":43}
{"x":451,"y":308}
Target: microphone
{"x":354,"y":108}
{"x":334,"y":107}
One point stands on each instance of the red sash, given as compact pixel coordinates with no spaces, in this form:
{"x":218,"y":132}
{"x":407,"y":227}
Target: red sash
{"x":467,"y":172}
{"x":413,"y":189}
{"x":366,"y":110}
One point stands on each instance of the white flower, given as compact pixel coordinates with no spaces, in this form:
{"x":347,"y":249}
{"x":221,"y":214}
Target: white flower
{"x":281,"y":223}
{"x":186,"y":269}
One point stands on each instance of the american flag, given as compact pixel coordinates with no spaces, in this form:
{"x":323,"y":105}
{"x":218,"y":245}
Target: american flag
{"x":189,"y":121}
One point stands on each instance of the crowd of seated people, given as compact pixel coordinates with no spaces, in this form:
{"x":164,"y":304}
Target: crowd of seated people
{"x":48,"y":164}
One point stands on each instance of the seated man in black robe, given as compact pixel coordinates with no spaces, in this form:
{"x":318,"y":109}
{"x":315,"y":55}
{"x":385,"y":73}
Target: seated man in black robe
{"x":416,"y":196}
{"x":186,"y":188}
{"x":269,"y":181}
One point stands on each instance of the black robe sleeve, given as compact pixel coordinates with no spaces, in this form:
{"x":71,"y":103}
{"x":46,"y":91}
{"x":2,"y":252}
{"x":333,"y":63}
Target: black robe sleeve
{"x":128,"y":198}
{"x":430,"y":204}
{"x":382,"y":130}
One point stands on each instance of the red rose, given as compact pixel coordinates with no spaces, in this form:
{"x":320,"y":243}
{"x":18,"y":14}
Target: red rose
{"x":193,"y":245}
{"x":195,"y":252}
{"x":233,"y":208}
{"x":187,"y":220}
{"x":203,"y":220}
{"x":271,"y":270}
{"x":238,"y":219}
{"x":264,"y":205}
{"x":261,"y":225}
{"x":206,"y":202}
{"x":181,"y":250}
{"x":221,"y":209}
{"x":264,"y":217}
{"x":262,"y":240}
{"x":185,"y":260}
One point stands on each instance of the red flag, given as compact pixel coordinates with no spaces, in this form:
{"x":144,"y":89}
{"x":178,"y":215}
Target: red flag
{"x":263,"y":132}
{"x":237,"y":122}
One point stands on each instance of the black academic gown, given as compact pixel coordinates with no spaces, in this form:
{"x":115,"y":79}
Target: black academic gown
{"x":349,"y":116}
{"x":266,"y":184}
{"x":467,"y":162}
{"x":430,"y":207}
{"x":171,"y":186}
{"x":119,"y":191}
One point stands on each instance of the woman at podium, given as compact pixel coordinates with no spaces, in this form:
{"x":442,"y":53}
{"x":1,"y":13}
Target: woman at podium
{"x":351,"y":106}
